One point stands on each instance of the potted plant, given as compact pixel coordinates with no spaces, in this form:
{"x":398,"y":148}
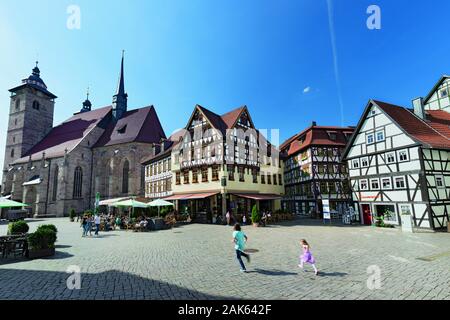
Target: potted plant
{"x":72,"y":215}
{"x":255,"y":216}
{"x":18,"y":227}
{"x":42,"y":242}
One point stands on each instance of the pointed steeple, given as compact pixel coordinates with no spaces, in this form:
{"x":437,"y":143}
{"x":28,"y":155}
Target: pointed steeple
{"x":120,"y":99}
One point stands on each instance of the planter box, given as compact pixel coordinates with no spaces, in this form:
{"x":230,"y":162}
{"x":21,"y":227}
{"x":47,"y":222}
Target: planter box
{"x":256,"y":225}
{"x":41,"y":253}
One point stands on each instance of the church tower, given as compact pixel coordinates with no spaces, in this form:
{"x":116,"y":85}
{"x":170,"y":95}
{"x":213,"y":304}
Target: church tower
{"x":30,"y":116}
{"x":120,"y":99}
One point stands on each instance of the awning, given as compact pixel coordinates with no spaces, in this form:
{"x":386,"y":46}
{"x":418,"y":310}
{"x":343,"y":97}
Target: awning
{"x":191,"y":196}
{"x":109,"y":202}
{"x":258,"y":196}
{"x":32,"y":182}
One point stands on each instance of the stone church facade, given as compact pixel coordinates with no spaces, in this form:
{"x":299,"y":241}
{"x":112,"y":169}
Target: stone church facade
{"x":54,"y":169}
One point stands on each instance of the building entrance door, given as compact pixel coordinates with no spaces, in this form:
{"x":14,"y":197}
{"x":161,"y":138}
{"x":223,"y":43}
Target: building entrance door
{"x":367,"y":215}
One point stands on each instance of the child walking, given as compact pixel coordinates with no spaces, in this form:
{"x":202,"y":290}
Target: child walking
{"x":307,"y":257}
{"x":239,"y":239}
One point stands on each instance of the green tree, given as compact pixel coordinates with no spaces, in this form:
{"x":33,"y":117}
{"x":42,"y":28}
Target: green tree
{"x":255,"y":215}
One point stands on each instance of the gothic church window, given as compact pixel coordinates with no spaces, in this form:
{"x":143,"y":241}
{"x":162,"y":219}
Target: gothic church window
{"x":12,"y":153}
{"x":125,"y":176}
{"x":55,"y":183}
{"x":78,"y":183}
{"x":17,"y":104}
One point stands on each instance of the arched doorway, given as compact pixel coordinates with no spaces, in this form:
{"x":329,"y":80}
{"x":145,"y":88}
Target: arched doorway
{"x":30,"y":198}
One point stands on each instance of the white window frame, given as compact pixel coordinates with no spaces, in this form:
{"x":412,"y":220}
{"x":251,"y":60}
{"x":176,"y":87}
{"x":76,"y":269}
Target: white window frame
{"x":407,"y":205}
{"x":376,"y":136}
{"x":387,"y":157}
{"x":360,"y":184}
{"x":373,"y":138}
{"x":362,"y":161}
{"x":357,"y":162}
{"x":399,"y":157}
{"x":371,"y":186}
{"x":442,"y":179}
{"x":382,"y":183}
{"x":395,"y":183}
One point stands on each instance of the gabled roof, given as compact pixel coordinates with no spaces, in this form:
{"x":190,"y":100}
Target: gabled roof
{"x":67,"y":135}
{"x":230,"y":118}
{"x":223,"y":122}
{"x":432,"y":132}
{"x":315,"y":136}
{"x":139,"y":125}
{"x":436,"y":86}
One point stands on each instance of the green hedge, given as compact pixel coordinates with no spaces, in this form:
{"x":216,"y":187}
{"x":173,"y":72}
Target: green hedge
{"x":18,"y":227}
{"x":44,"y":237}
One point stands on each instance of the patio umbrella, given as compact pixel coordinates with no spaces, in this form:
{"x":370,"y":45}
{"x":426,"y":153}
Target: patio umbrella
{"x":6,"y":203}
{"x":130,"y":203}
{"x":160,"y":203}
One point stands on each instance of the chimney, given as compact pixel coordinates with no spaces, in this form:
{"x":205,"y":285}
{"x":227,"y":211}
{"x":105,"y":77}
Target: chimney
{"x":418,"y":108}
{"x":162,"y":144}
{"x":314,"y":124}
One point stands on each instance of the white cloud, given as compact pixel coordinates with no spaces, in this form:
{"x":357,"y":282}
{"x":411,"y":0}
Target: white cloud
{"x":307,"y":90}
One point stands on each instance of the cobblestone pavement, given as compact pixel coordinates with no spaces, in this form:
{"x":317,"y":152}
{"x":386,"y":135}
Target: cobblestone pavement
{"x":198,"y":262}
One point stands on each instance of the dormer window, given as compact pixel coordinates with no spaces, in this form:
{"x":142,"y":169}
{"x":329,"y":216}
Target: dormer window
{"x":122,"y":129}
{"x":347,"y":135}
{"x":332,"y":135}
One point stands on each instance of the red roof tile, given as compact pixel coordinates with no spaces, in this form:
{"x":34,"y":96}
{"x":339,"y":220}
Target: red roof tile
{"x":231,"y":117}
{"x":433,"y":132}
{"x":315,"y":136}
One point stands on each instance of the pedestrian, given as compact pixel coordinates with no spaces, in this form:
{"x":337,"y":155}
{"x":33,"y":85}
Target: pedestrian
{"x":244,"y":220}
{"x":239,"y":240}
{"x":228,"y":216}
{"x":97,"y":223}
{"x":84,"y":225}
{"x":89,"y":225}
{"x":307,"y":257}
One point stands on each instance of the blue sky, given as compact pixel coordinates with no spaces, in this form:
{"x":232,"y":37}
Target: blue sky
{"x":224,"y":54}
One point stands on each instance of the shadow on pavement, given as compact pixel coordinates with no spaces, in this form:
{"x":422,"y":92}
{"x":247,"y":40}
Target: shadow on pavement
{"x":332,"y":274}
{"x":37,"y":284}
{"x":11,"y":260}
{"x":273,"y":272}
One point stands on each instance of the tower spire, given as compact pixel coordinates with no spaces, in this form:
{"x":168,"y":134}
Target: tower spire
{"x":87,"y":105}
{"x":120,"y":98}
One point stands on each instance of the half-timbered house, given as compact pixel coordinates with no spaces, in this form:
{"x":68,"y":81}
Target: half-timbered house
{"x":398,"y":161}
{"x":313,"y":171}
{"x":222,"y":163}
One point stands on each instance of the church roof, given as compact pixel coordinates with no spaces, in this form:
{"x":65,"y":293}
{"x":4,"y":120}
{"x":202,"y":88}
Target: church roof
{"x":67,"y":135}
{"x":140,"y":125}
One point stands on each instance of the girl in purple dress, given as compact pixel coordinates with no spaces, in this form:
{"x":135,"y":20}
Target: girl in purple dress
{"x":307,"y":257}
